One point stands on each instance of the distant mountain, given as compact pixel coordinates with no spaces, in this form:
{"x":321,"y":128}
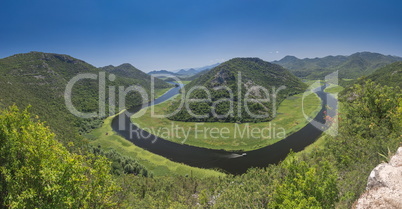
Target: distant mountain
{"x":190,"y":78}
{"x":208,"y":67}
{"x":128,"y":71}
{"x":190,"y":71}
{"x":40,"y":79}
{"x":162,"y":72}
{"x":254,"y":72}
{"x":193,"y":71}
{"x":353,"y":66}
{"x":183,"y":73}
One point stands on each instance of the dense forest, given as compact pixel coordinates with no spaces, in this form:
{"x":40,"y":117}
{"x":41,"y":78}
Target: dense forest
{"x":390,"y":75}
{"x":231,"y":94}
{"x":331,"y":176}
{"x":37,"y":171}
{"x":40,"y":79}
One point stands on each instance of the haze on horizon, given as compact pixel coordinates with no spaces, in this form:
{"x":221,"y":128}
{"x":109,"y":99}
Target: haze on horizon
{"x":170,"y":35}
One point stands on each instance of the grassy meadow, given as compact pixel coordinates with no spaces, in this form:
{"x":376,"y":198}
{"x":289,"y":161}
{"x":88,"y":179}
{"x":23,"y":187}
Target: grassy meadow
{"x":231,"y":136}
{"x":332,"y":89}
{"x":289,"y":118}
{"x":107,"y":139}
{"x":160,"y":92}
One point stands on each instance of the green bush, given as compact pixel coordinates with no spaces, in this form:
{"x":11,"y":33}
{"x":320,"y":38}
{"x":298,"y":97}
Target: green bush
{"x":36,"y":171}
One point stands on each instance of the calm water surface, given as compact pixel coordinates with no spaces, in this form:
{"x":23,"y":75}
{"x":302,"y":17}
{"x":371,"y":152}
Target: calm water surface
{"x":231,"y":162}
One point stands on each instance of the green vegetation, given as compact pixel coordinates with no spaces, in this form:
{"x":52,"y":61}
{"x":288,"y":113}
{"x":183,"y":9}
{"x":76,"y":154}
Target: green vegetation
{"x":36,"y":171}
{"x":319,"y":144}
{"x":105,"y":138}
{"x":185,"y":82}
{"x":329,"y":174}
{"x":344,"y":82}
{"x":368,"y":129}
{"x":160,"y":92}
{"x":390,"y":75}
{"x":350,"y":67}
{"x":40,"y":79}
{"x":309,"y":82}
{"x":193,"y":77}
{"x":181,"y":80}
{"x":306,"y":186}
{"x":135,"y":76}
{"x":230,"y":85}
{"x":289,"y":120}
{"x":122,"y":164}
{"x":332,"y":89}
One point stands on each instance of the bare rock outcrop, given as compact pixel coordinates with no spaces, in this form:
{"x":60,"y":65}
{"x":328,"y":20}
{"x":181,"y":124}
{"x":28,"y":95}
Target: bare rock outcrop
{"x":384,"y":186}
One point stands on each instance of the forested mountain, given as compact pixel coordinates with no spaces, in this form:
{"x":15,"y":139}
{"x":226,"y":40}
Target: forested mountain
{"x":190,"y":78}
{"x":390,"y":75}
{"x":40,"y":79}
{"x":353,"y":66}
{"x":331,"y":174}
{"x":253,"y":72}
{"x":136,"y":76}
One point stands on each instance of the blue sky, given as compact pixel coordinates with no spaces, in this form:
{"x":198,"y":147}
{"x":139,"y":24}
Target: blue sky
{"x":161,"y":34}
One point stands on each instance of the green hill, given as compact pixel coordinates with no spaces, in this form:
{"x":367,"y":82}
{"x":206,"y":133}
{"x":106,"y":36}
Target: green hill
{"x":127,"y":71}
{"x":390,"y":75}
{"x":241,"y":76}
{"x":40,"y":79}
{"x":350,"y":67}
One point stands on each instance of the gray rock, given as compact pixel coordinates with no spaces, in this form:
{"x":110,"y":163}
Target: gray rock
{"x":384,"y":186}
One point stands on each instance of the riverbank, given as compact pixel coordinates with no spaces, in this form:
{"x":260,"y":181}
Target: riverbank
{"x":232,"y":162}
{"x":107,"y":139}
{"x":231,"y":136}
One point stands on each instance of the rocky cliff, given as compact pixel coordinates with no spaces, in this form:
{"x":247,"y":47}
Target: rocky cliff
{"x":384,"y":186}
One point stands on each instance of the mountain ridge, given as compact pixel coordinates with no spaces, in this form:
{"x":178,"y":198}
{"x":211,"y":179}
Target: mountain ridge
{"x":351,"y":66}
{"x":127,"y":70}
{"x":241,"y":76}
{"x":184,"y":72}
{"x":40,"y":79}
{"x":389,"y":75}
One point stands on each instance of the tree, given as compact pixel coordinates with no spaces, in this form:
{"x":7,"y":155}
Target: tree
{"x":306,"y":186}
{"x":369,"y":128}
{"x":36,"y":171}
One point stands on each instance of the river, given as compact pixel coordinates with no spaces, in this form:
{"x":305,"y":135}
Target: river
{"x":231,"y":162}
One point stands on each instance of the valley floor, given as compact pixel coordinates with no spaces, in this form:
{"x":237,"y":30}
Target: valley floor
{"x":290,"y":118}
{"x":231,"y":136}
